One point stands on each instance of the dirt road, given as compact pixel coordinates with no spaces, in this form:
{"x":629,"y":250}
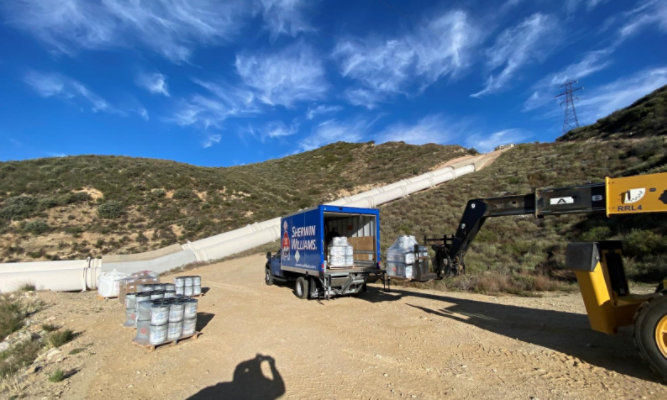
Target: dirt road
{"x":263,"y":342}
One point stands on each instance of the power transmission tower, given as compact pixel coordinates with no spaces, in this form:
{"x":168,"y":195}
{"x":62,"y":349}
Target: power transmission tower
{"x":570,"y":120}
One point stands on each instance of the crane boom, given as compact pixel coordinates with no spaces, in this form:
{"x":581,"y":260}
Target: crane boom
{"x":628,"y":195}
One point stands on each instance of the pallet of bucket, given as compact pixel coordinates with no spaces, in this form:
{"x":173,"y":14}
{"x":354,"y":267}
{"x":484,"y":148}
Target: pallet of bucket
{"x":161,"y":321}
{"x":188,"y":285}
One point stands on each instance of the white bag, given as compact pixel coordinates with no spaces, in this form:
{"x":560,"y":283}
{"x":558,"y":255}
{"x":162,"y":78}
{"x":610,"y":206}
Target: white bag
{"x":108,"y":283}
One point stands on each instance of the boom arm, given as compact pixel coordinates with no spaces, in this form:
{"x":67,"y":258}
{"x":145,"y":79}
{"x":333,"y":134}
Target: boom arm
{"x":549,"y":201}
{"x":616,"y":196}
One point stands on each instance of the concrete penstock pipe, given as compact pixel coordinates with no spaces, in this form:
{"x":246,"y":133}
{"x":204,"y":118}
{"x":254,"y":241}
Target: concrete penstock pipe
{"x":82,"y":274}
{"x":53,"y":275}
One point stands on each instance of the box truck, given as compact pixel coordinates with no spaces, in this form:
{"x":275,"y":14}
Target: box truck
{"x":327,"y":251}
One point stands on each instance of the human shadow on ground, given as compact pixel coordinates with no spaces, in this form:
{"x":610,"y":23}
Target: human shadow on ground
{"x":565,"y":332}
{"x":249,"y":383}
{"x":203,"y":318}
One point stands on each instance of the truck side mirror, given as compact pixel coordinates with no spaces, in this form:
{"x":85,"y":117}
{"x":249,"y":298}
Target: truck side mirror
{"x":268,"y":255}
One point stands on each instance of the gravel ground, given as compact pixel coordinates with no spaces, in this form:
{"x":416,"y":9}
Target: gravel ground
{"x":262,"y":342}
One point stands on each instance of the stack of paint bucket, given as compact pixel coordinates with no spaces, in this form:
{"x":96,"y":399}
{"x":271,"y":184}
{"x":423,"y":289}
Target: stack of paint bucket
{"x":165,"y":320}
{"x":130,"y":309}
{"x":143,"y":320}
{"x":168,"y":290}
{"x":188,"y":285}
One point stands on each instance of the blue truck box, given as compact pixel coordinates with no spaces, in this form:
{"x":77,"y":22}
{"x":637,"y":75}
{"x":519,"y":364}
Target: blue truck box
{"x":305,"y":238}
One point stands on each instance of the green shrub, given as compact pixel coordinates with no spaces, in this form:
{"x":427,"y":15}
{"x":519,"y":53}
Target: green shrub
{"x":59,"y":338}
{"x":158,"y":193}
{"x":18,"y":207}
{"x":183,"y":194}
{"x":11,"y":316}
{"x":77,"y":197}
{"x":110,"y":210}
{"x":57,"y":375}
{"x":27,"y":287}
{"x":49,"y":328}
{"x":640,"y":243}
{"x":597,"y":234}
{"x":20,"y":356}
{"x":48,"y":202}
{"x":37,"y":227}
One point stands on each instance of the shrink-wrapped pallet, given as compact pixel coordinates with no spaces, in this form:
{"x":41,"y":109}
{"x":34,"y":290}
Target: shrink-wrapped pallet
{"x":400,"y":257}
{"x":108,"y":283}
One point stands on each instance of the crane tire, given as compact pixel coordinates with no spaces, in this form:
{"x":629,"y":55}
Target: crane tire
{"x":650,"y":334}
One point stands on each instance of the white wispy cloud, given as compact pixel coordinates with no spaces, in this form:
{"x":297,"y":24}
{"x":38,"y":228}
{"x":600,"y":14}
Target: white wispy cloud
{"x":599,"y":102}
{"x":155,"y":83}
{"x":648,"y":13}
{"x":172,"y":28}
{"x":285,"y":77}
{"x":222,"y":102}
{"x":363,"y":97}
{"x":331,"y":131}
{"x":517,"y":46}
{"x":321,"y":109}
{"x":545,"y":89}
{"x":285,"y":17}
{"x":59,"y":86}
{"x":430,"y":129}
{"x":438,"y":48}
{"x":276,"y":129}
{"x":486,"y":143}
{"x":202,"y":111}
{"x":211,"y":139}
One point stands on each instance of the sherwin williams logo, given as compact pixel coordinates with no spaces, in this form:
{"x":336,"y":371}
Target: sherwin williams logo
{"x":634,"y":195}
{"x":285,"y":243}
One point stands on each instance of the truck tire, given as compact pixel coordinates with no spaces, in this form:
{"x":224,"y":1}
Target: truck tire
{"x":650,"y":334}
{"x":301,"y":288}
{"x":268,"y":276}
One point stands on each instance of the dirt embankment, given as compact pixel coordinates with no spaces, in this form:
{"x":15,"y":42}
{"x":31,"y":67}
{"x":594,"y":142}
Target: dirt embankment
{"x":263,"y":342}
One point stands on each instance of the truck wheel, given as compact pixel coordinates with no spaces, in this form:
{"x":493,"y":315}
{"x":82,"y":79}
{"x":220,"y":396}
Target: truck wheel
{"x":268,"y":277}
{"x":301,"y":288}
{"x":650,"y":334}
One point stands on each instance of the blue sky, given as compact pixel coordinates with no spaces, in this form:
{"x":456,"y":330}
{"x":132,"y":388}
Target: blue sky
{"x":221,"y":83}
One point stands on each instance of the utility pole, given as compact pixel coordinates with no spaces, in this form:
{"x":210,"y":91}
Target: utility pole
{"x":570,"y":120}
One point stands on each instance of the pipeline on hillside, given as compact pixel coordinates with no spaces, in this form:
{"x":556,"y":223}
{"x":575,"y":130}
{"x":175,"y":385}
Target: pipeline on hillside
{"x":82,"y":274}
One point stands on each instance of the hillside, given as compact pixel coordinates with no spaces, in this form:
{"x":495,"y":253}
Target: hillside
{"x":645,"y":117}
{"x":75,"y":207}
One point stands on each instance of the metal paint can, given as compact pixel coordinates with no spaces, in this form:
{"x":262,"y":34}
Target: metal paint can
{"x":190,"y":309}
{"x":169,"y":286}
{"x":188,"y":291}
{"x":174,"y":330}
{"x":169,"y":294}
{"x":196,"y":290}
{"x":157,"y":294}
{"x":159,"y":313}
{"x":188,"y":280}
{"x":144,"y":311}
{"x":130,"y":317}
{"x":180,"y":290}
{"x":143,"y":329}
{"x":189,"y":326}
{"x":157,"y":334}
{"x":176,"y":310}
{"x":196,"y":280}
{"x":130,"y":300}
{"x":179,"y":281}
